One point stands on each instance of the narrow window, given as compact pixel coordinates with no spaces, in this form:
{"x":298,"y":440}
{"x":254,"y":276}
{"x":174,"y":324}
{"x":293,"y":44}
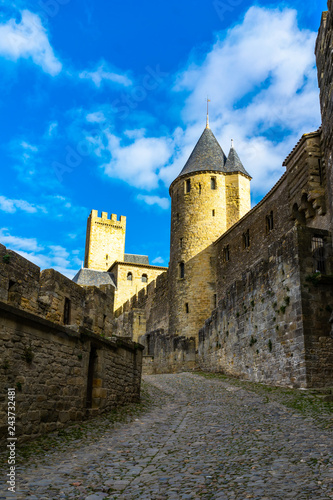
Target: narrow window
{"x":187,"y":185}
{"x":129,"y":276}
{"x":144,"y":278}
{"x":186,"y":308}
{"x":226,"y":253}
{"x":213,"y":182}
{"x":182,"y":270}
{"x":318,"y":252}
{"x":199,"y":188}
{"x":107,"y":257}
{"x":320,"y":169}
{"x":181,"y":242}
{"x":246,"y":239}
{"x":269,"y":222}
{"x":67,"y":311}
{"x":213,"y":213}
{"x":149,"y":346}
{"x":139,"y":320}
{"x":215,"y":301}
{"x":11,"y":284}
{"x":177,"y":217}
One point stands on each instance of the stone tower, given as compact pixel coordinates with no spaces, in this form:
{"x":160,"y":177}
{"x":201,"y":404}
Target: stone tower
{"x":105,"y":241}
{"x":209,"y":195}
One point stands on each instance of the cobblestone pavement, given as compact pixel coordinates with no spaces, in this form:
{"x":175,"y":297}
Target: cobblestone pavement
{"x":201,"y":438}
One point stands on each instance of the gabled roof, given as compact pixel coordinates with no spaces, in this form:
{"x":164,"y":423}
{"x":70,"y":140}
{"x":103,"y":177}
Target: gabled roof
{"x":233,"y":163}
{"x":207,"y":155}
{"x":92,"y":277}
{"x":136,"y":259}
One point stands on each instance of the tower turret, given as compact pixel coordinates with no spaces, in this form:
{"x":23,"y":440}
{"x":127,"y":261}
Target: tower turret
{"x":198,"y":217}
{"x":238,"y":196}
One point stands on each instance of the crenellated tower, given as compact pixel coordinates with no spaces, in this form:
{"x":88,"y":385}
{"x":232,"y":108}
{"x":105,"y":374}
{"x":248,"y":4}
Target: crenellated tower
{"x":209,"y":195}
{"x":105,"y":240}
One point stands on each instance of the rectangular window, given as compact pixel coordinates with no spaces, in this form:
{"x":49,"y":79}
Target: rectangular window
{"x":67,"y":311}
{"x":186,"y":308}
{"x":213,"y":182}
{"x":246,"y":239}
{"x":318,"y":252}
{"x":320,"y":171}
{"x":213,"y":213}
{"x":182,"y":270}
{"x":187,"y":185}
{"x":215,"y":300}
{"x":181,"y":242}
{"x":226,"y":253}
{"x":269,"y":222}
{"x":199,"y":188}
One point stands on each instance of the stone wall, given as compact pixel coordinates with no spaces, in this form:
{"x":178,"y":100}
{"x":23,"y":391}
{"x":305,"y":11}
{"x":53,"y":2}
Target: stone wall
{"x":324,"y":59}
{"x":48,"y":294}
{"x":167,"y":353}
{"x":317,"y":307}
{"x":61,"y":375}
{"x":146,"y":311}
{"x":272,"y":323}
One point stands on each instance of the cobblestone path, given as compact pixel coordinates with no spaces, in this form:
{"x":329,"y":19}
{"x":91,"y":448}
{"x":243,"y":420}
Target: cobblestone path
{"x":202,"y":438}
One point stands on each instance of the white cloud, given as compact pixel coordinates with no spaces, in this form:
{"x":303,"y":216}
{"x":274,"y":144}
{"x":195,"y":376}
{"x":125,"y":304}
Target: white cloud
{"x":15,"y":242}
{"x":104,"y":74}
{"x":28,"y":39}
{"x":158,"y":260}
{"x":97,"y":117}
{"x":137,"y":163}
{"x":47,"y":256}
{"x":52,"y":129}
{"x":29,"y":147}
{"x":261,"y":80}
{"x":155,"y":200}
{"x":11,"y":206}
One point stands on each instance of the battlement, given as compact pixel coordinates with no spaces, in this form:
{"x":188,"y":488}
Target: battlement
{"x":105,"y":217}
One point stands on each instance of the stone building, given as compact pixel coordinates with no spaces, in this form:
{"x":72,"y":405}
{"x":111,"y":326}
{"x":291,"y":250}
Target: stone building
{"x":106,"y":260}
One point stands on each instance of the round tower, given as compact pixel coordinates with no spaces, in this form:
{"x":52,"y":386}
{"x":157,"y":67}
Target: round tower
{"x":198,"y":218}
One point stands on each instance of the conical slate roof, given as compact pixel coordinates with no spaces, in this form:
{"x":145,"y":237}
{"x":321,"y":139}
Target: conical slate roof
{"x":233,"y":163}
{"x":207,"y":155}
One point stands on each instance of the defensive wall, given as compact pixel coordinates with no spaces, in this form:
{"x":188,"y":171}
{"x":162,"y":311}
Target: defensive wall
{"x":272,"y":322}
{"x":324,"y":58}
{"x":57,"y":351}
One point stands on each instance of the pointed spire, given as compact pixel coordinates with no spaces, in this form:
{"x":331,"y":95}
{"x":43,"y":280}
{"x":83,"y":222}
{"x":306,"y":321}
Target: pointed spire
{"x":207,"y":155}
{"x":207,"y":119}
{"x":233,"y":163}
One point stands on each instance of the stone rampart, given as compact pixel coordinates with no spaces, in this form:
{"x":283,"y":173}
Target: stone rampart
{"x":54,"y":297}
{"x":61,"y":375}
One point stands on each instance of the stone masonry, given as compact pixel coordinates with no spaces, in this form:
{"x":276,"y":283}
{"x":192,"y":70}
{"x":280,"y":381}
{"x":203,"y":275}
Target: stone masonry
{"x":57,"y":349}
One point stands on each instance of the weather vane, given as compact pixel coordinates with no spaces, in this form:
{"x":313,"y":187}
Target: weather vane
{"x":207,"y":119}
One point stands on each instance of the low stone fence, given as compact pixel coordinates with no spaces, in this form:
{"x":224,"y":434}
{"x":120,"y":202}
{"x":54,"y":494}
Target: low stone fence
{"x":61,"y":374}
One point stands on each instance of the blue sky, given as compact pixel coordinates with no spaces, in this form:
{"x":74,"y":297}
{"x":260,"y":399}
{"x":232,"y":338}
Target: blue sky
{"x":102,"y":103}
